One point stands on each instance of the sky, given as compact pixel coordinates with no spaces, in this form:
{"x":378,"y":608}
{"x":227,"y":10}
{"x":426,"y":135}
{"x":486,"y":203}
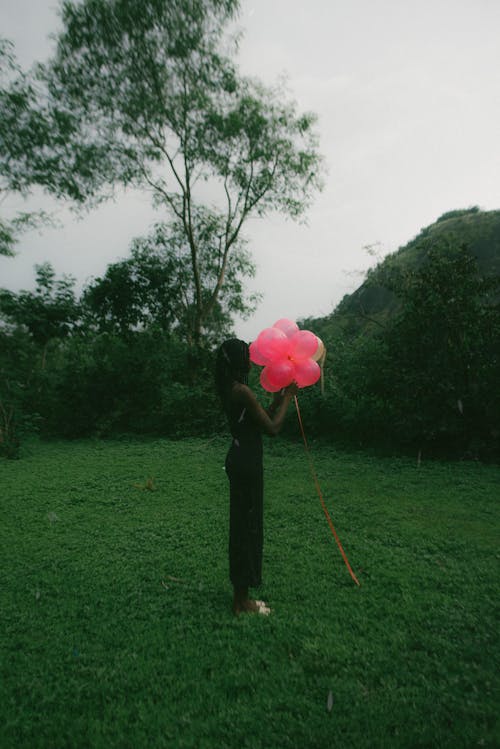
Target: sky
{"x":408,"y":101}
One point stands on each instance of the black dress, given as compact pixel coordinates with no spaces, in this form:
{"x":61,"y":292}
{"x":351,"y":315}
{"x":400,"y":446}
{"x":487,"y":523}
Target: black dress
{"x":245,"y":472}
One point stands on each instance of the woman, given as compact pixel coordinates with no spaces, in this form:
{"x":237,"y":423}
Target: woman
{"x":247,"y":420}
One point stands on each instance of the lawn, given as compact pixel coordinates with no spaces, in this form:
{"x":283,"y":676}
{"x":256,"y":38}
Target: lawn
{"x":116,"y":629}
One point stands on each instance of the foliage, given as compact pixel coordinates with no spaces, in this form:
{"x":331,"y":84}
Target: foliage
{"x":144,"y":94}
{"x":60,"y":374}
{"x":36,"y":322}
{"x":458,"y":214}
{"x":25,"y":133}
{"x":32,"y":322}
{"x":118,"y":359}
{"x":107,"y":384}
{"x":419,"y":367}
{"x":116,"y":602}
{"x":373,"y":302}
{"x":19,"y":380}
{"x":51,"y":311}
{"x":155,"y":102}
{"x":11,"y":229}
{"x":154,"y":287}
{"x":444,"y":348}
{"x":424,"y":380}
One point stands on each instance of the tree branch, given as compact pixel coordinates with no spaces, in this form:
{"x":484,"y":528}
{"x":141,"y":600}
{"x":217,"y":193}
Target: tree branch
{"x":158,"y":188}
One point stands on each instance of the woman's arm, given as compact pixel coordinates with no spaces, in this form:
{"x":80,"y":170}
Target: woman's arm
{"x":269,"y":423}
{"x":273,"y":407}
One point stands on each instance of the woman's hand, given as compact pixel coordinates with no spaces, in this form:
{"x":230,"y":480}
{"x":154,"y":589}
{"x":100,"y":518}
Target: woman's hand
{"x":269,"y":421}
{"x":289,"y":392}
{"x":278,"y":397}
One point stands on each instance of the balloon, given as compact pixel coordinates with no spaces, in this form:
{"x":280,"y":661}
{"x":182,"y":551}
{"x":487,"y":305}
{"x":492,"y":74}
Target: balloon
{"x":280,"y":373}
{"x":288,"y":355}
{"x":307,"y":372}
{"x":289,"y":327}
{"x":266,"y":384}
{"x":272,"y":343}
{"x":303,"y":345}
{"x":256,"y":356}
{"x":319,"y":351}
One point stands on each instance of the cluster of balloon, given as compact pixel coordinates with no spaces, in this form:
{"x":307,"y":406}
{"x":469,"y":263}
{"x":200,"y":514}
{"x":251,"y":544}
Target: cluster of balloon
{"x":288,"y":355}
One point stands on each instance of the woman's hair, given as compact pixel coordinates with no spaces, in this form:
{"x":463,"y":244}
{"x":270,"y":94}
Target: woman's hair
{"x":232,"y":365}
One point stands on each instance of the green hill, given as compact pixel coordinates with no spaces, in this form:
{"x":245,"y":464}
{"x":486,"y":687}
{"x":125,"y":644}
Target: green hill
{"x":414,"y":352}
{"x":373,"y":302}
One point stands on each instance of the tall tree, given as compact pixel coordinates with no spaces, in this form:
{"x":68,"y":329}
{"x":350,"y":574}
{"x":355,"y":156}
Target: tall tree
{"x":154,"y":287}
{"x":148,"y":98}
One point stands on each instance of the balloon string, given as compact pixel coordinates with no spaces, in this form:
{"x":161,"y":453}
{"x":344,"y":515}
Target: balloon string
{"x":320,"y":494}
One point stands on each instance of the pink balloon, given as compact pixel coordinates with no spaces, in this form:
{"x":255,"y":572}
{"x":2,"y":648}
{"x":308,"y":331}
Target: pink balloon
{"x":289,"y":327}
{"x":280,"y":373}
{"x":288,"y":355}
{"x":303,"y":345}
{"x":272,"y":344}
{"x":307,"y":372}
{"x":256,"y":356}
{"x":264,"y":381}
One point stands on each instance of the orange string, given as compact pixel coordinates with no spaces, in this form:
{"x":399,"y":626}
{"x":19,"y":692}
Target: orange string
{"x":320,"y":495}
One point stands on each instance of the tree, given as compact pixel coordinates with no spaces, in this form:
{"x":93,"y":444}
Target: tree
{"x":148,"y":98}
{"x":443,"y":345}
{"x":51,"y":311}
{"x":31,"y":321}
{"x":16,"y":367}
{"x":426,"y":373}
{"x":154,"y":287}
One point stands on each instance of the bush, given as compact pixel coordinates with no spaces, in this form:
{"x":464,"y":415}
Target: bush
{"x":428,"y":377}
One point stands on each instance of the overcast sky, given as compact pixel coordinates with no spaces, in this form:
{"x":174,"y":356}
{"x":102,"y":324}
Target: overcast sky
{"x":408,"y":99}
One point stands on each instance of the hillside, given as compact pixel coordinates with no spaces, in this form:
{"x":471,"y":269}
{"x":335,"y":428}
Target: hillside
{"x":372,"y":302}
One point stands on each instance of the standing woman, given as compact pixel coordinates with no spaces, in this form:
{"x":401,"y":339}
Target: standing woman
{"x":247,"y":420}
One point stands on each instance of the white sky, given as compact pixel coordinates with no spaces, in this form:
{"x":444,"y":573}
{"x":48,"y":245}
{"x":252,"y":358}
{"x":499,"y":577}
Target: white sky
{"x":408,"y":98}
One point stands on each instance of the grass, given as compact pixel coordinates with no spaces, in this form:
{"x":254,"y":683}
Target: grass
{"x":115,"y":603}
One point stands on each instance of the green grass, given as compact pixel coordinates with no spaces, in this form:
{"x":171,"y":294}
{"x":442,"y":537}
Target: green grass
{"x":100,"y":647}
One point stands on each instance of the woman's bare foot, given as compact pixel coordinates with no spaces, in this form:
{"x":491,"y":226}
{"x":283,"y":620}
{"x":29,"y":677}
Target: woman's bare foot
{"x":263,"y":607}
{"x":242,"y":604}
{"x":247,"y":606}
